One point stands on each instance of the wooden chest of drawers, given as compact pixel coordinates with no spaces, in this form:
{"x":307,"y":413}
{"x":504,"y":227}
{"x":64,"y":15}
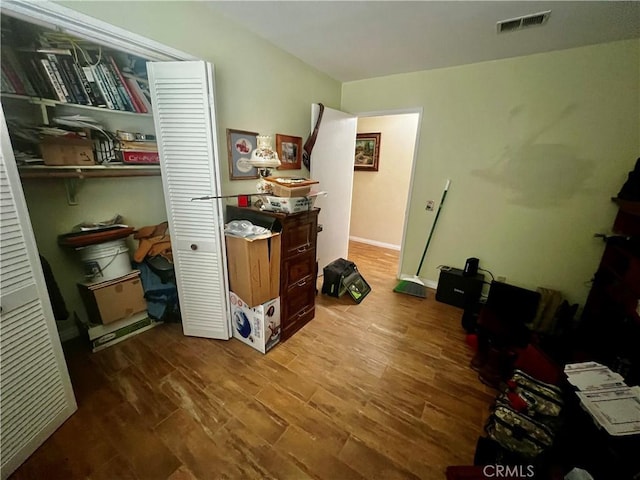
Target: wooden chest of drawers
{"x":298,"y":266}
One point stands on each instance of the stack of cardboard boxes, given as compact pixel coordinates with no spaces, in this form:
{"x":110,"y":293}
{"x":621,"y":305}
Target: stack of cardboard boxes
{"x":254,"y":281}
{"x":116,"y":308}
{"x":290,"y":194}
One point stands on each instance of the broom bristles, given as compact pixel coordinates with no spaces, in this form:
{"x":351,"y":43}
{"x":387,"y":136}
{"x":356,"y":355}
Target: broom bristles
{"x":410,"y":287}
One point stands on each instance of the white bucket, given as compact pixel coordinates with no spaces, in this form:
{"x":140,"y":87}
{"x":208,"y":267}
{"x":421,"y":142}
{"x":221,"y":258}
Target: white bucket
{"x":105,"y":261}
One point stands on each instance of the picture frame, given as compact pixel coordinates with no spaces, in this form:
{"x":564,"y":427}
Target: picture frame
{"x":367,"y":154}
{"x":289,"y":151}
{"x":240,"y":144}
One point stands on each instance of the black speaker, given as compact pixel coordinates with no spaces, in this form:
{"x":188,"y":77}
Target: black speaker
{"x":471,"y":267}
{"x":457,"y":289}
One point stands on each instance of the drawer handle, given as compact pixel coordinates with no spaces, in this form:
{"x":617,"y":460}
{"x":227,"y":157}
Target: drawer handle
{"x":303,"y":249}
{"x":301,"y":283}
{"x":303,"y":313}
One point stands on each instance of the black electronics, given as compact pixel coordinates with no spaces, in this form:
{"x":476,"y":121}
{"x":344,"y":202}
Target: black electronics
{"x":509,"y":301}
{"x":471,"y":267}
{"x":454,"y":288}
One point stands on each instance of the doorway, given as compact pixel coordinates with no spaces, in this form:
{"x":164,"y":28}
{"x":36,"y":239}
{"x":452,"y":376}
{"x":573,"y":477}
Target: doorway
{"x":380,"y":197}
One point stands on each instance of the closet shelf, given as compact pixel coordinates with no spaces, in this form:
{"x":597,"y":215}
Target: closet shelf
{"x":95,"y":171}
{"x":47,"y":102}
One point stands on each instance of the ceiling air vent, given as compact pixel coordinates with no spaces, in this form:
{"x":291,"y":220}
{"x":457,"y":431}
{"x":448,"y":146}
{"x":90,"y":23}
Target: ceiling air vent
{"x":525,"y":21}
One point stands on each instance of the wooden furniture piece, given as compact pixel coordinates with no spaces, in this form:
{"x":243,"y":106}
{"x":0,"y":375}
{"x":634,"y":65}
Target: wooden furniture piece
{"x":298,"y":266}
{"x":610,"y":326}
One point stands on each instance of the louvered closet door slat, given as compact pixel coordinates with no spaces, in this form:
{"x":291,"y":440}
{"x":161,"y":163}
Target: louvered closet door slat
{"x":182,"y":94}
{"x":36,"y":396}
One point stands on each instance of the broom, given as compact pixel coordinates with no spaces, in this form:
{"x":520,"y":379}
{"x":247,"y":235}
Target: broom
{"x":413,"y":285}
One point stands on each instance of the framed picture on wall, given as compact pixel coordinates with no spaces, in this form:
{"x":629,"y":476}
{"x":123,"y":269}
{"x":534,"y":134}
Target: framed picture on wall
{"x":240,"y":144}
{"x":367,"y":154}
{"x":289,"y":152}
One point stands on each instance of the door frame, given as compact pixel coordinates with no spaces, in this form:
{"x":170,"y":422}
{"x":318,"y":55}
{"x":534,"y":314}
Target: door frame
{"x":401,"y":111}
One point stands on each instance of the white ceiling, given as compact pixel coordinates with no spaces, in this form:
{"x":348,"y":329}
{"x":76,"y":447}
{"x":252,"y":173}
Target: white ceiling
{"x":353,"y":40}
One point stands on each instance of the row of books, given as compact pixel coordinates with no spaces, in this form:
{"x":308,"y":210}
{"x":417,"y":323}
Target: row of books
{"x":57,"y":74}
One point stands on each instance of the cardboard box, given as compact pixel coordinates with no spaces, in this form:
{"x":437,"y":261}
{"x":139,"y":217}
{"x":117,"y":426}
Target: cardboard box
{"x":290,"y":186}
{"x":254,"y":268}
{"x":258,"y":327}
{"x":103,"y":336}
{"x":67,"y":151}
{"x":107,"y":302}
{"x":287,"y":204}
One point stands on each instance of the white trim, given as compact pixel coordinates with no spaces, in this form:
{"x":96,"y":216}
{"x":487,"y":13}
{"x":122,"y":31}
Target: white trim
{"x":375,"y":243}
{"x":431,"y":284}
{"x":401,"y":111}
{"x":57,"y":17}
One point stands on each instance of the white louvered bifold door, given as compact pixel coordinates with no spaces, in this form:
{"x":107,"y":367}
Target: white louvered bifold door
{"x":184,"y":115}
{"x":35,"y":392}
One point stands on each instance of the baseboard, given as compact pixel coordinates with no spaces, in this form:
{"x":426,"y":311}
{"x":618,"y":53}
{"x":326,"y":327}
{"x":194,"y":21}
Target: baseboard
{"x":431,"y":284}
{"x":375,"y":243}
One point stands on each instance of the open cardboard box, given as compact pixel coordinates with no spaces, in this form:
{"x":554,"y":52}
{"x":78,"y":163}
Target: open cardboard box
{"x":254,"y":267}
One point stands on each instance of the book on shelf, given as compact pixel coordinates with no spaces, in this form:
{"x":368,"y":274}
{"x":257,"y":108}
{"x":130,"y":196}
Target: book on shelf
{"x":102,"y":79}
{"x":98,"y":85}
{"x":35,"y":71}
{"x":141,"y":90}
{"x":53,"y":80}
{"x":113,"y":87}
{"x":72,"y":81}
{"x":16,"y":74}
{"x":86,"y":86}
{"x":57,"y":75}
{"x":124,"y":90}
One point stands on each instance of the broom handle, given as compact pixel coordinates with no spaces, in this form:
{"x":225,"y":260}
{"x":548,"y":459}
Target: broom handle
{"x":433,"y":226}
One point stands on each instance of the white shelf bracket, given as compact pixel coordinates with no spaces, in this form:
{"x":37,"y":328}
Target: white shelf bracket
{"x":45,"y":114}
{"x":72,"y":185}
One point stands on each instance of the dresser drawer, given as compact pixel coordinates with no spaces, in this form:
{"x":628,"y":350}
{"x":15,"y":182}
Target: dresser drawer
{"x":294,"y":322}
{"x":297,"y":268}
{"x":299,"y":295}
{"x":299,"y":235}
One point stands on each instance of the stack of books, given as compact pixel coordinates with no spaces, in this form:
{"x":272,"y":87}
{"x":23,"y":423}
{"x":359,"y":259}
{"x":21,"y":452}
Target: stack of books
{"x":139,"y":152}
{"x":94,"y":79}
{"x":604,"y":395}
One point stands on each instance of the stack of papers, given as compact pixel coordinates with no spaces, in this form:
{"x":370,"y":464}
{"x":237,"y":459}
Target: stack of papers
{"x":604,"y":395}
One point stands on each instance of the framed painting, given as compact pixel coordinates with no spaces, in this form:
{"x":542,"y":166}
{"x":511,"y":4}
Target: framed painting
{"x":289,"y":152}
{"x":367,"y":154}
{"x":240,"y":144}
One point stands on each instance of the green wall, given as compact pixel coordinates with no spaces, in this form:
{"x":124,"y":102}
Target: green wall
{"x":534,"y":146}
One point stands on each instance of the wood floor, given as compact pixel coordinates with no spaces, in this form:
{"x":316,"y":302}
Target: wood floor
{"x":380,"y":390}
